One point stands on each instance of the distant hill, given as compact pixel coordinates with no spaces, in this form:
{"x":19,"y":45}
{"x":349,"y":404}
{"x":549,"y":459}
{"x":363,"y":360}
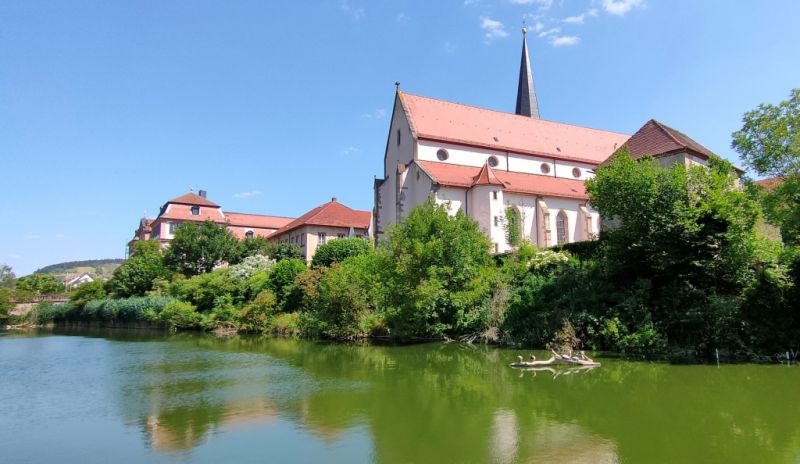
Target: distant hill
{"x":102,"y":268}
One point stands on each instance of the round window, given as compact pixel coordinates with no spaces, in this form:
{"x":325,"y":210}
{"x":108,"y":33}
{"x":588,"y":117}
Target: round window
{"x":545,"y":168}
{"x":493,"y":161}
{"x":576,"y":172}
{"x":442,"y":154}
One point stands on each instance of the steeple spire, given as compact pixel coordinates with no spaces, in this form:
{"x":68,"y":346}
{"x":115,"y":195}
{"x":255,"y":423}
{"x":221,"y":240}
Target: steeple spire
{"x":526,"y":93}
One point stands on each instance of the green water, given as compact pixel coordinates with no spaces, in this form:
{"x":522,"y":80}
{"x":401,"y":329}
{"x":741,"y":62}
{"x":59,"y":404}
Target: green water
{"x":134,"y":397}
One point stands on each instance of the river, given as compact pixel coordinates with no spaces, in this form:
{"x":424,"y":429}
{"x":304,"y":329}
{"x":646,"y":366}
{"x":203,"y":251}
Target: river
{"x":128,"y":396}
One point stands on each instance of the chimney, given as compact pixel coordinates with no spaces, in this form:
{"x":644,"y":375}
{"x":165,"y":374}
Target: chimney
{"x":333,"y":199}
{"x":202,"y":193}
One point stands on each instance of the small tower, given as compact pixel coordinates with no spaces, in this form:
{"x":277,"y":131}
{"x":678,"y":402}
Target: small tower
{"x":526,"y":93}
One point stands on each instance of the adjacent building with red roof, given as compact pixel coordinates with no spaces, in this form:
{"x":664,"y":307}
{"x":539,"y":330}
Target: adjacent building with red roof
{"x":326,"y":222}
{"x":193,"y":207}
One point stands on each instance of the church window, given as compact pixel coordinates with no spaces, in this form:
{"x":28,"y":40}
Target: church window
{"x":494,"y":195}
{"x":576,"y":172}
{"x":561,"y":227}
{"x":195,"y":211}
{"x":496,"y":221}
{"x":545,"y":168}
{"x":398,"y":137}
{"x":493,"y":162}
{"x":442,"y":154}
{"x":417,"y":175}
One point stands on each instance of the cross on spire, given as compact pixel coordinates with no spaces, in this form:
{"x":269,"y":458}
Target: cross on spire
{"x":527,"y":105}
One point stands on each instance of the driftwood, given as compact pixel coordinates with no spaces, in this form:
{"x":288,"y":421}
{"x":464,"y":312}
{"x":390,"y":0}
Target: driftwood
{"x":581,"y":360}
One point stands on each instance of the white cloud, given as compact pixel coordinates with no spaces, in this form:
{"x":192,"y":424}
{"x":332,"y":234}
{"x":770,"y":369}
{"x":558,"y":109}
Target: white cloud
{"x":357,"y":13}
{"x":552,"y":31}
{"x":620,"y":7}
{"x":351,"y":150}
{"x":543,"y":4}
{"x":402,"y":17}
{"x":564,"y":40}
{"x":450,"y":47}
{"x":60,"y":236}
{"x":33,"y":236}
{"x":377,"y":114}
{"x":494,"y":29}
{"x":537,"y":27}
{"x":592,"y":12}
{"x":248,"y":194}
{"x":575,"y":19}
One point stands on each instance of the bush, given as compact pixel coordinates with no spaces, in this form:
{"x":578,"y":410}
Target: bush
{"x":139,"y":273}
{"x":250,"y":266}
{"x":180,"y":315}
{"x":338,"y":250}
{"x":204,"y":289}
{"x":89,"y":291}
{"x":283,"y":251}
{"x":282,"y":283}
{"x":256,"y":316}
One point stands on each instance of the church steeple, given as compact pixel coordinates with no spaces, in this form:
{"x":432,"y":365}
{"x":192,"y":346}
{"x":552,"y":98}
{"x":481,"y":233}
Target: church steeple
{"x":526,"y":93}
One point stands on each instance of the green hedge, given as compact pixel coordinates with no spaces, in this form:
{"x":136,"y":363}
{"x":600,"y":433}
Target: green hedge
{"x":134,"y":309}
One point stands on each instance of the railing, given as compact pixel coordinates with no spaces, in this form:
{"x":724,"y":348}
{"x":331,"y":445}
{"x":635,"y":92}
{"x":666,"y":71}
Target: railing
{"x":58,"y":298}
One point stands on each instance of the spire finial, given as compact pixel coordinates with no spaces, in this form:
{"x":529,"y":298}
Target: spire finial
{"x":397,"y":86}
{"x":524,"y":29}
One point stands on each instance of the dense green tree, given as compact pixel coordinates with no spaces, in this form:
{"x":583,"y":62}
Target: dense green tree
{"x":40,"y":284}
{"x":87,"y":292}
{"x":281,"y":251}
{"x":7,"y":276}
{"x":196,"y":249}
{"x":136,"y":276}
{"x":438,"y":273}
{"x":336,"y":251}
{"x":254,"y":246}
{"x":6,"y":304}
{"x":769,"y":143}
{"x":282,"y":282}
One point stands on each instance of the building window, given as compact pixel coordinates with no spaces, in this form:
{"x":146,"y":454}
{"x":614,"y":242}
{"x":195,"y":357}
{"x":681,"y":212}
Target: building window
{"x":497,"y":248}
{"x":545,"y":168}
{"x":493,"y":162}
{"x":561,"y":227}
{"x":322,"y":238}
{"x":398,"y":137}
{"x":494,"y":195}
{"x":249,"y":235}
{"x":195,"y":211}
{"x":442,"y":154}
{"x":496,"y":221}
{"x":576,"y":172}
{"x":340,"y":235}
{"x":172,"y":227}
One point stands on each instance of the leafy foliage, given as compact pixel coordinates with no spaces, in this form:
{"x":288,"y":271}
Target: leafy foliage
{"x":7,"y":276}
{"x":336,"y":251}
{"x":39,"y":284}
{"x":513,"y":227}
{"x":282,"y":282}
{"x":196,"y":249}
{"x":87,"y":292}
{"x":137,"y":275}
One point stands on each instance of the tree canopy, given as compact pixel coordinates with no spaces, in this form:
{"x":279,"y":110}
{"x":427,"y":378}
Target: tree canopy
{"x":196,"y":249}
{"x":336,"y":251}
{"x":135,"y":277}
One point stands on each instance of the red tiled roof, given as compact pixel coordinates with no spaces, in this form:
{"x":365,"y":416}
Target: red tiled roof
{"x":241,"y":232}
{"x":183,"y":212}
{"x":486,"y":177}
{"x":769,"y":184}
{"x":655,"y":138}
{"x":452,"y":122}
{"x":257,"y":220}
{"x":454,"y":175}
{"x":332,"y":214}
{"x":193,"y":199}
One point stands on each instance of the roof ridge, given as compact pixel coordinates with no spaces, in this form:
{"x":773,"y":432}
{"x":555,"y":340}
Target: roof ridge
{"x":256,"y":214}
{"x":516,"y":115}
{"x":668,"y":131}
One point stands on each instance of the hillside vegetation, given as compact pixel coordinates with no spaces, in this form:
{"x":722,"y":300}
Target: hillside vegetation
{"x":102,"y":268}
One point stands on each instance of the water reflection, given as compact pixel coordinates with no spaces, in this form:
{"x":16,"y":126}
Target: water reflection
{"x":443,"y":403}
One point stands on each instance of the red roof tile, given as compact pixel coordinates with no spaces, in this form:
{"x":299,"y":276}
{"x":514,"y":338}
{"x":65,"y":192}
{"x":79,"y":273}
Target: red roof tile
{"x":257,"y":220}
{"x":486,"y":176}
{"x":454,"y":175}
{"x":193,"y":199}
{"x":183,"y":212}
{"x":655,"y":138}
{"x":452,"y":122}
{"x":769,"y":184}
{"x":332,"y":214}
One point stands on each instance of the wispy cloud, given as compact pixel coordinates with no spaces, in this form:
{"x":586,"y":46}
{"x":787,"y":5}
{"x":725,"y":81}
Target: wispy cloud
{"x":60,"y":236}
{"x":14,"y":256}
{"x":351,"y":150}
{"x":450,"y":47}
{"x":564,"y":40}
{"x":575,"y":19}
{"x":401,"y":17}
{"x":248,"y":194}
{"x":620,"y":7}
{"x":380,"y":113}
{"x":492,"y":29}
{"x":543,"y":4}
{"x":357,"y":13}
{"x":33,"y":236}
{"x":551,"y":31}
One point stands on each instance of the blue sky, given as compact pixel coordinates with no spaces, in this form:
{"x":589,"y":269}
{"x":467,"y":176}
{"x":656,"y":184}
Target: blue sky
{"x":108,"y":109}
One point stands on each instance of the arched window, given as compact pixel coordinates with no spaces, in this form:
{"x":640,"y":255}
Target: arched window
{"x":561,"y":227}
{"x":249,"y":235}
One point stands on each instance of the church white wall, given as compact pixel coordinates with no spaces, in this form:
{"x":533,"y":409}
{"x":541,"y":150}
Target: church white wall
{"x":419,"y":188}
{"x":455,"y":198}
{"x":526,"y":205}
{"x":403,"y":153}
{"x":476,"y":157}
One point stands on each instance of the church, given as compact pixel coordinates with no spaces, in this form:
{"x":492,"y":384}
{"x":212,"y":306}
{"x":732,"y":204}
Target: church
{"x":506,"y":170}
